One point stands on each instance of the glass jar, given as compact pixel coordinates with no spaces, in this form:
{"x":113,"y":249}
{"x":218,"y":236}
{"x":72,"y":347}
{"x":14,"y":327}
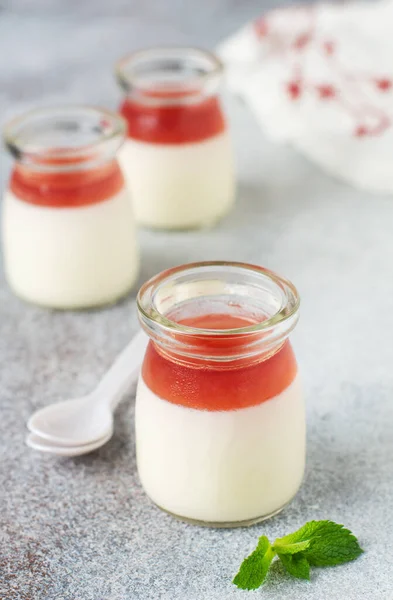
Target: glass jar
{"x":68,"y":228}
{"x":220,"y":419}
{"x":177,"y":158}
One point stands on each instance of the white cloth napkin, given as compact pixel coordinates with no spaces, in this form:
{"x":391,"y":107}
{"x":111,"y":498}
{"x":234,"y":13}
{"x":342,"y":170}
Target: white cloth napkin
{"x":321,"y":78}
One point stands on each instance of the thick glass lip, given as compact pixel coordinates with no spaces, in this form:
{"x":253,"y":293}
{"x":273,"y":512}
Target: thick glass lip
{"x":208,"y":69}
{"x":101,"y":132}
{"x":150,"y":316}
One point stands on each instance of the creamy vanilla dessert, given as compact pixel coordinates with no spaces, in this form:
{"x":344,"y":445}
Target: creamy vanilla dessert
{"x":220,"y":416}
{"x":177,"y":186}
{"x":70,"y":257}
{"x":181,"y":452}
{"x":177,"y":159}
{"x":68,"y":231}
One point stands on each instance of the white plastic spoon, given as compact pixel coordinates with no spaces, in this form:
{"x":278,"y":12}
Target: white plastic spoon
{"x":38,"y":443}
{"x":88,"y":419}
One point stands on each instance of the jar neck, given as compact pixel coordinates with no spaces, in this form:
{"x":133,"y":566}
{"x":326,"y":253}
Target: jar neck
{"x":64,"y":139}
{"x":222,"y":314}
{"x":165,"y":77}
{"x":224,"y":351}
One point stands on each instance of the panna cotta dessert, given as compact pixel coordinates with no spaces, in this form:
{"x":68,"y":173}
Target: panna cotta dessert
{"x":220,"y":417}
{"x":69,"y":236}
{"x":177,"y":158}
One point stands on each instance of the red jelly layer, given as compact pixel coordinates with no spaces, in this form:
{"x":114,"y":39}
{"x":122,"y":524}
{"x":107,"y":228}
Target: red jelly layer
{"x":205,"y":387}
{"x":67,"y":189}
{"x":173,"y":124}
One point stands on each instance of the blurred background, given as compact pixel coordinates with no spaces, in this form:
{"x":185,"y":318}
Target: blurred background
{"x":56,"y":51}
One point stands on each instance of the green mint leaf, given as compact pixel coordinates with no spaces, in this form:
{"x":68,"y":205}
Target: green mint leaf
{"x":333,"y":545}
{"x":317,"y":543}
{"x":296,"y":565}
{"x":329,"y":543}
{"x":284,"y":548}
{"x":254,"y":568}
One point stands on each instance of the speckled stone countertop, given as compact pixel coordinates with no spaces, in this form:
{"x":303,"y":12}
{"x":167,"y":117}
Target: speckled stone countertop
{"x":82,"y":529}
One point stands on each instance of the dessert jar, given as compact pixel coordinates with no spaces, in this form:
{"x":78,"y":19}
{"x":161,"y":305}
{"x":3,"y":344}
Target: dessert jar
{"x":177,"y":158}
{"x":69,"y":235}
{"x":220,"y":417}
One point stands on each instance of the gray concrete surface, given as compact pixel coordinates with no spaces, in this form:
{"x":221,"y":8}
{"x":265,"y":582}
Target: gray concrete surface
{"x":82,"y":529}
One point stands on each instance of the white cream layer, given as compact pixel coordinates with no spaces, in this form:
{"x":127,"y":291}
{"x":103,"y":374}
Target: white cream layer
{"x":177,"y":186}
{"x":70,"y":257}
{"x":221,"y":466}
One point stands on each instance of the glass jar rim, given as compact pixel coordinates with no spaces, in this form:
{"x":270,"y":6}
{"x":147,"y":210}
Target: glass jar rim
{"x":288,"y":309}
{"x":128,"y":79}
{"x":48,"y":157}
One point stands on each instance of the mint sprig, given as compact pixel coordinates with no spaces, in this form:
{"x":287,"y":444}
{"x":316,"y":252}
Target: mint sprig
{"x":317,"y":543}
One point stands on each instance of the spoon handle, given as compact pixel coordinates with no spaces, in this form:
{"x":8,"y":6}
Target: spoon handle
{"x":123,"y":372}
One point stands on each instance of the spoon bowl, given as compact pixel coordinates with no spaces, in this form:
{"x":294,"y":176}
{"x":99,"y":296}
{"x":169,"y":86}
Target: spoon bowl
{"x":38,"y":443}
{"x":73,"y":422}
